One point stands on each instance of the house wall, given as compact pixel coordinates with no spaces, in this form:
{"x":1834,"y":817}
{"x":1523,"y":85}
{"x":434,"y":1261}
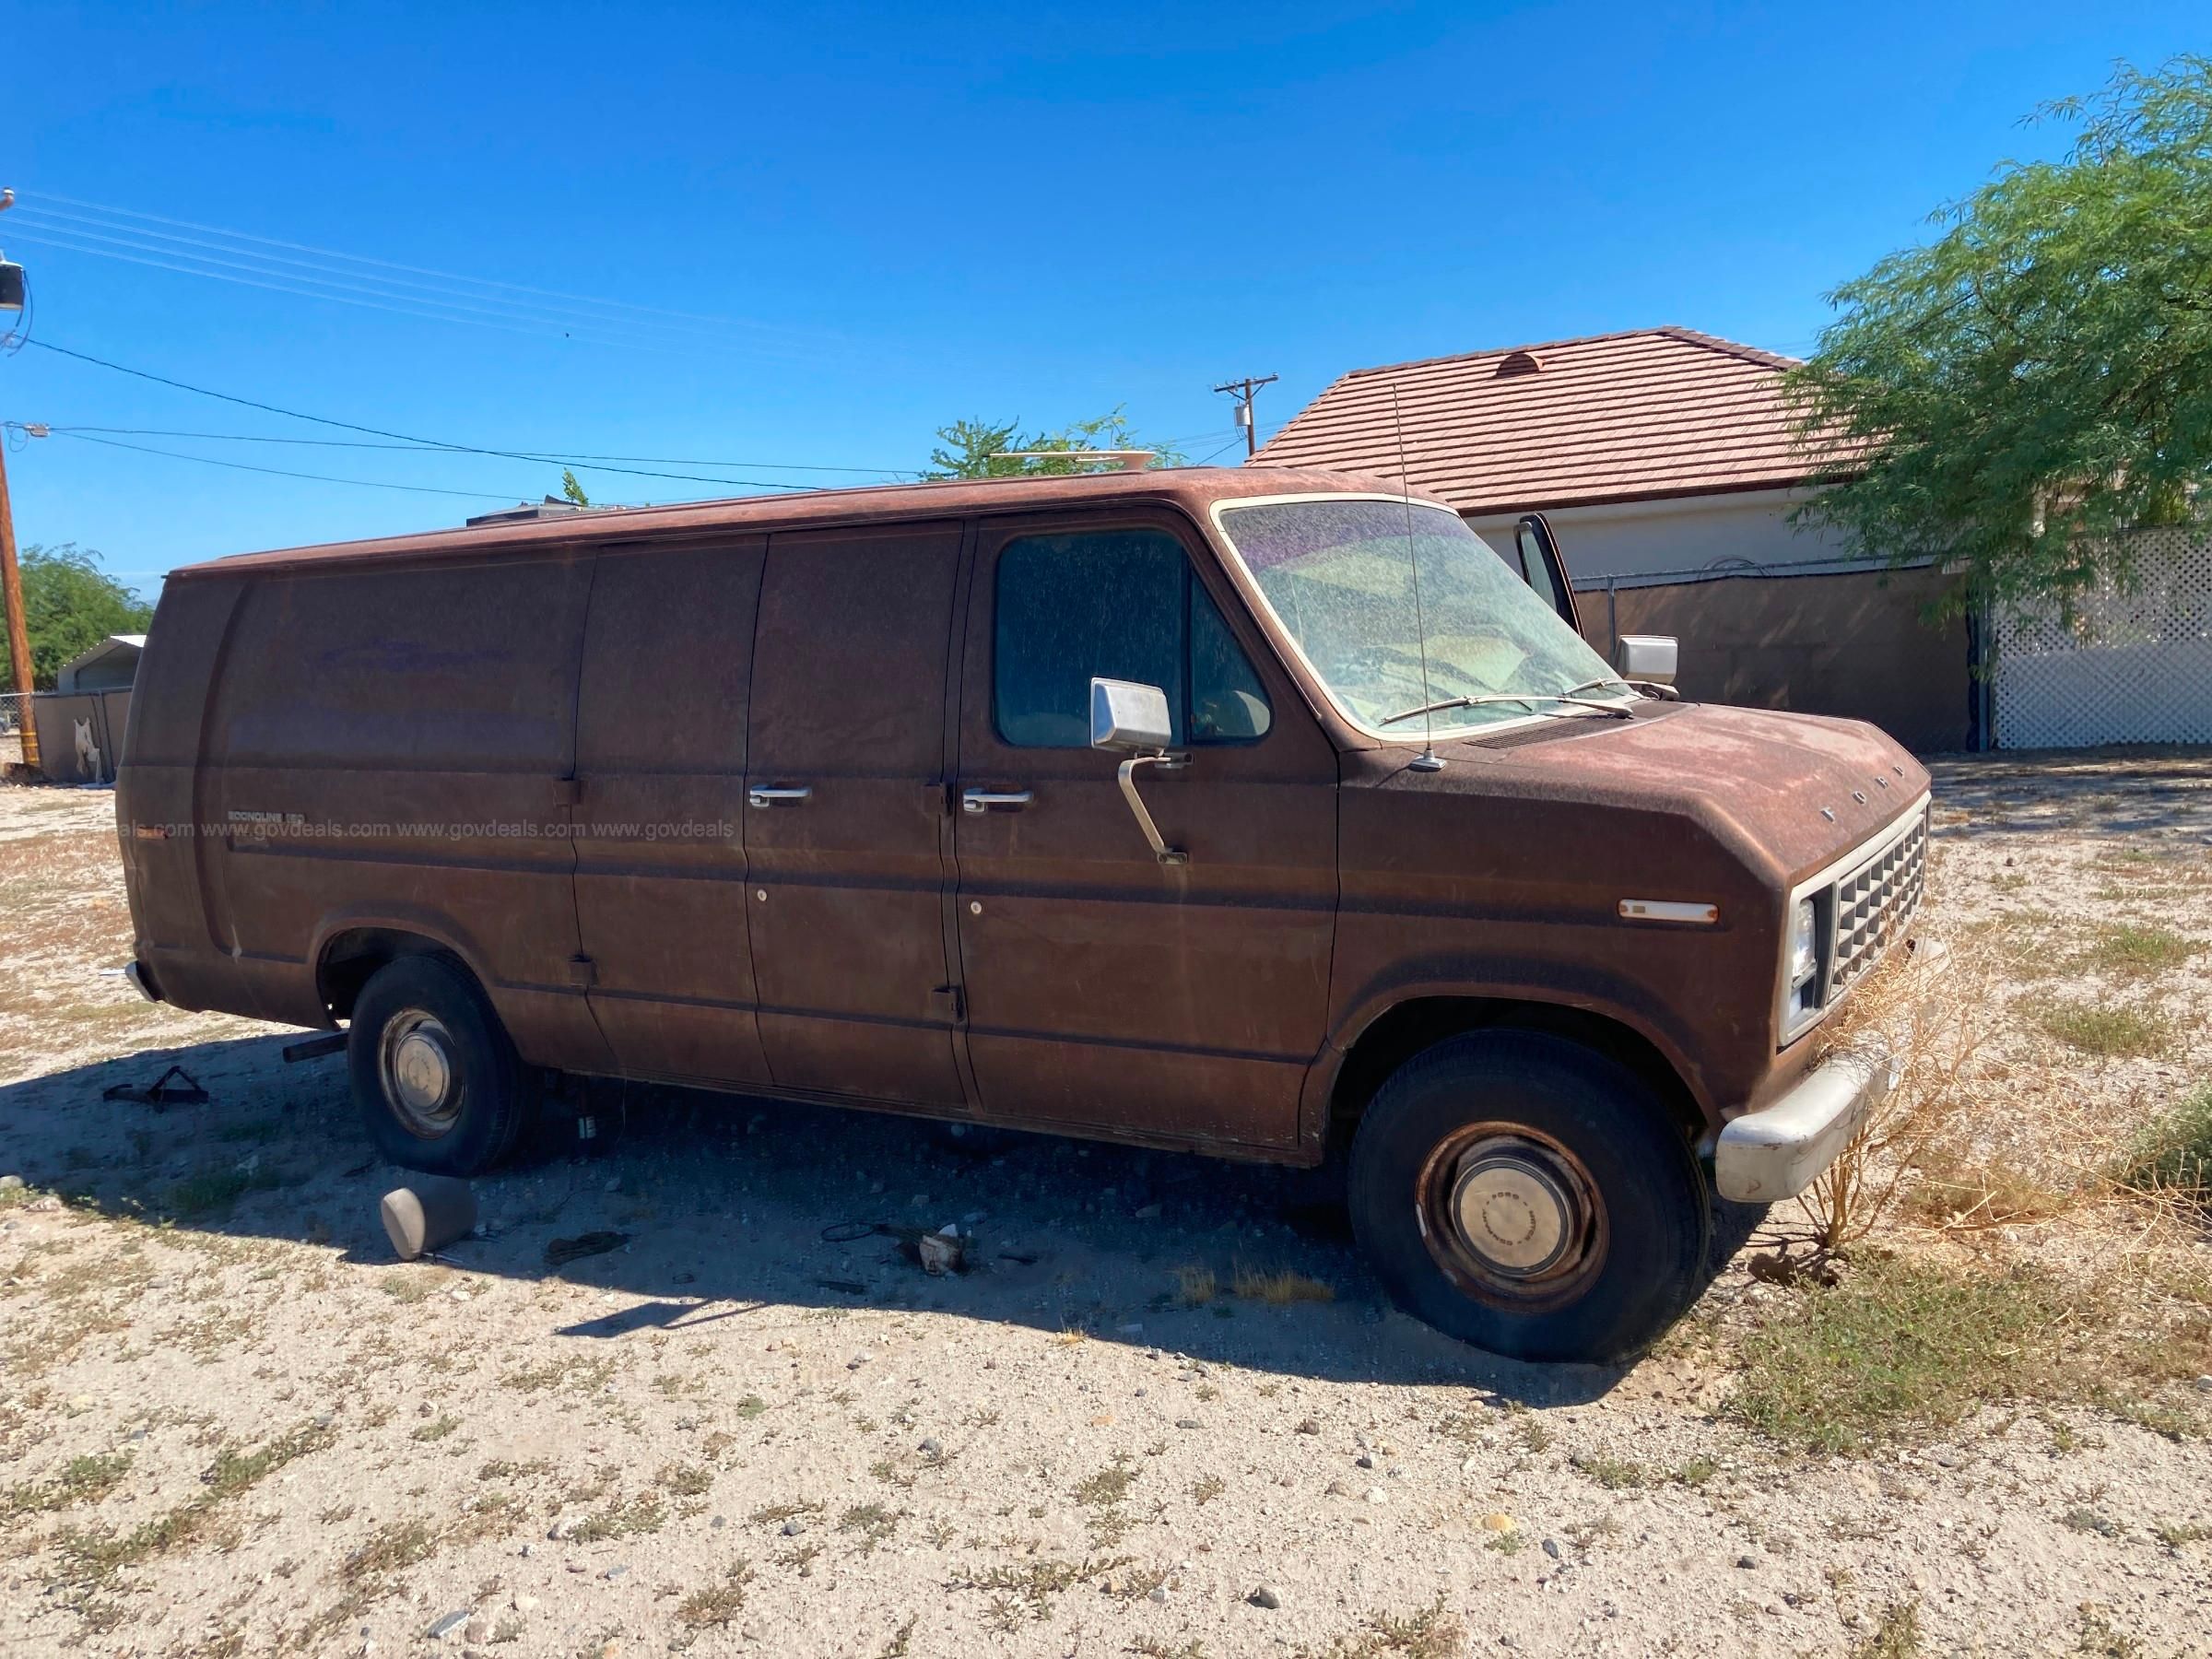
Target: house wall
{"x":1700,"y":532}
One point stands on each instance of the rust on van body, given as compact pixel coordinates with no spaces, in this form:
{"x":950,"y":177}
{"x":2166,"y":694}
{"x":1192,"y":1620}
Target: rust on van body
{"x":564,"y":754}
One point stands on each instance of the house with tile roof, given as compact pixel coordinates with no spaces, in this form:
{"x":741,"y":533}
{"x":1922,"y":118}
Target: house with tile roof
{"x":1668,"y":465}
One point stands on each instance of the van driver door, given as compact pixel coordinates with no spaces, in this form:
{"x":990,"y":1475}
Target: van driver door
{"x":1106,"y":990}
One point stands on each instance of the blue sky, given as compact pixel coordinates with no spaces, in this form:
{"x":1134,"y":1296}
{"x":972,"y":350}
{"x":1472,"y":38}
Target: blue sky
{"x":900,"y":215}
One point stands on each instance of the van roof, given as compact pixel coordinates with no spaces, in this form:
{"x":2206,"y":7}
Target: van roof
{"x":1196,"y":488}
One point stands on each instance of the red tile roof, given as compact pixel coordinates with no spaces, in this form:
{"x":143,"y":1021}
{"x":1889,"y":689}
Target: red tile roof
{"x":1636,"y":416}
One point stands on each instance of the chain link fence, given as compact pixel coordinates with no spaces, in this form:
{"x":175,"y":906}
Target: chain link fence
{"x":15,"y":709}
{"x":2130,"y":664}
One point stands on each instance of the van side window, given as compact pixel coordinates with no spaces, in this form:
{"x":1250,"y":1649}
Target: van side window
{"x":1116,"y":605}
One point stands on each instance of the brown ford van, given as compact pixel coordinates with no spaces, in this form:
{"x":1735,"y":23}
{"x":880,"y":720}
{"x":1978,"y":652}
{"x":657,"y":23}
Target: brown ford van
{"x":1259,"y":813}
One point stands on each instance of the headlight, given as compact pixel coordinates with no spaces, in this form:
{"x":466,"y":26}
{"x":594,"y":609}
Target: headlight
{"x":1804,"y":954}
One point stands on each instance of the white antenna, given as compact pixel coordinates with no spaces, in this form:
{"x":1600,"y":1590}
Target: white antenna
{"x":1428,"y":759}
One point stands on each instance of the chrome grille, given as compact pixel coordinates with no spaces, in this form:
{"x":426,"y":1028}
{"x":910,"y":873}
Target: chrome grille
{"x":1875,"y":901}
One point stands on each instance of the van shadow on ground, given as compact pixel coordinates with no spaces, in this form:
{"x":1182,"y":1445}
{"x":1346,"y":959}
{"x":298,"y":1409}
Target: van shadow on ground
{"x":732,"y":1204}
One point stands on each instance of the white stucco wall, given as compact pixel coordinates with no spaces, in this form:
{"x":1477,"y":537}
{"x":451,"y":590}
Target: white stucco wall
{"x":1698,"y":533}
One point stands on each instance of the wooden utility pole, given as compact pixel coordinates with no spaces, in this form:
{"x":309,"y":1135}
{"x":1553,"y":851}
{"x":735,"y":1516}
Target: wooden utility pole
{"x":11,"y":579}
{"x":1242,"y":389}
{"x":18,"y":636}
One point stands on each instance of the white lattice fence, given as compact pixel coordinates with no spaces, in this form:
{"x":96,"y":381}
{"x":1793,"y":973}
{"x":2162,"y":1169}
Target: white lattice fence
{"x":2129,"y":667}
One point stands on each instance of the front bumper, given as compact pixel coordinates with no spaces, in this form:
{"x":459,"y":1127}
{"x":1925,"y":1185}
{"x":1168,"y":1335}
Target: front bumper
{"x":1777,"y":1151}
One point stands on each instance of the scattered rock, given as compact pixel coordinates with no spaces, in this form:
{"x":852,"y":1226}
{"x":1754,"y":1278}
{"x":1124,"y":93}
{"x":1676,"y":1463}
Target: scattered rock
{"x":718,"y":1523}
{"x":1551,"y":1549}
{"x":11,"y":1183}
{"x":1365,"y":1459}
{"x":1309,"y":1427}
{"x":448,"y":1625}
{"x":794,"y":1526}
{"x":477,"y":1631}
{"x":1188,"y":1423}
{"x":859,"y":1360}
{"x":1159,"y":1593}
{"x":1377,"y":1495}
{"x":1265,"y":1596}
{"x":1746,"y":1562}
{"x":614,"y":1572}
{"x":932,"y":1447}
{"x":522,"y":1603}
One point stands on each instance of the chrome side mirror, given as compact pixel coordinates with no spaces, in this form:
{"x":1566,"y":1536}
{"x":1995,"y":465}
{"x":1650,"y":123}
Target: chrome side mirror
{"x":1132,"y":721}
{"x":1647,"y":657}
{"x":1127,"y":718}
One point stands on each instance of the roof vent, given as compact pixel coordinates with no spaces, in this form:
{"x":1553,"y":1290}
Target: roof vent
{"x":1520,"y":362}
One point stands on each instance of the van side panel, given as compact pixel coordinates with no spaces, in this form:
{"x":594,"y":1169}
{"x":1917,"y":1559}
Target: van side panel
{"x":156,"y":812}
{"x":661,"y":891}
{"x":390,"y":747}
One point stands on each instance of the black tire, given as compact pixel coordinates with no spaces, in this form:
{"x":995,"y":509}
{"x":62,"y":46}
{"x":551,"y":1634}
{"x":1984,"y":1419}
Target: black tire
{"x":474,"y":1121}
{"x":1508,"y":1114}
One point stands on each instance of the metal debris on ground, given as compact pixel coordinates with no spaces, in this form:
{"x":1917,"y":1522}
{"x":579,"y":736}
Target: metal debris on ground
{"x":561,"y":1252}
{"x":161,"y":1093}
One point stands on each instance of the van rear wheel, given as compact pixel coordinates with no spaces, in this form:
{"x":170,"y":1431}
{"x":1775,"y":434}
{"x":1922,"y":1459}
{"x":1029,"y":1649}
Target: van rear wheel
{"x":1528,"y":1196}
{"x":434,"y":1076}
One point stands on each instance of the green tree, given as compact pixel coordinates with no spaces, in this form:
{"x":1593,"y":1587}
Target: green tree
{"x":2038,"y":379}
{"x":70,"y":605}
{"x":977,"y":449}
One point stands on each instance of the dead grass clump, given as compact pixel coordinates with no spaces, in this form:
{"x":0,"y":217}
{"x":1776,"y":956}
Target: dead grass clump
{"x":1195,"y":1285}
{"x":1279,"y":1289}
{"x":1928,"y":1016}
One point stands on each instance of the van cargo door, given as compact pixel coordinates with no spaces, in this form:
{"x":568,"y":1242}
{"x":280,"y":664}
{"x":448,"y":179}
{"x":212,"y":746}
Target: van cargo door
{"x":846,"y":827}
{"x":660,"y":893}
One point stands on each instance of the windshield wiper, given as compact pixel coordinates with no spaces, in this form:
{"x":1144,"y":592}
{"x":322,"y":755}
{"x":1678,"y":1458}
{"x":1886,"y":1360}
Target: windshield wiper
{"x":1530,"y":698}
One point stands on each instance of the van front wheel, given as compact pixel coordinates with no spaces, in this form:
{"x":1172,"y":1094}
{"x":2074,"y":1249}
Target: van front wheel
{"x":434,"y":1076}
{"x":1528,"y":1196}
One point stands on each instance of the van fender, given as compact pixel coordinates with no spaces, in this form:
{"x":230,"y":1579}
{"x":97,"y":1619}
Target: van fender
{"x":1592,"y":990}
{"x":432,"y":926}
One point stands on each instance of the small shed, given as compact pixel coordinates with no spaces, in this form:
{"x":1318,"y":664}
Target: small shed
{"x":111,"y":665}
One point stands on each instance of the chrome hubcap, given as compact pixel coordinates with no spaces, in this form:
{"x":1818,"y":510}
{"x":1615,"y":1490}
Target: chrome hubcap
{"x":419,"y":1075}
{"x":1512,"y":1216}
{"x":1511,"y":1212}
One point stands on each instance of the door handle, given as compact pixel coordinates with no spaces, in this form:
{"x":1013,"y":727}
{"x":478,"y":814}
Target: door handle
{"x":790,"y":796}
{"x":995,"y":800}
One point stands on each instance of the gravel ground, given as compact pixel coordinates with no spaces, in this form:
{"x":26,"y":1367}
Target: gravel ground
{"x":229,"y":1423}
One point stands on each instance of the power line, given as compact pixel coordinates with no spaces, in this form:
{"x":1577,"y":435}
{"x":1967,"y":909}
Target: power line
{"x":109,"y":232}
{"x":37,"y":205}
{"x":274,"y":472}
{"x":431,"y":444}
{"x":361,"y":443}
{"x":343,"y":293}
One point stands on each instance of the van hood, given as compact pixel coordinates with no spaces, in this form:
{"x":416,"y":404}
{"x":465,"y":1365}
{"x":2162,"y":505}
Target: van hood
{"x":1802,"y":789}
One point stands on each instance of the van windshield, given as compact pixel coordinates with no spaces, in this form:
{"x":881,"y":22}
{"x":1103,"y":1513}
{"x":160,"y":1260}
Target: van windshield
{"x":1336,"y":574}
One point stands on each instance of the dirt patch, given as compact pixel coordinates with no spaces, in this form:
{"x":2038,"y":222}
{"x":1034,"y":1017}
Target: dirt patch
{"x":1166,"y":1412}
